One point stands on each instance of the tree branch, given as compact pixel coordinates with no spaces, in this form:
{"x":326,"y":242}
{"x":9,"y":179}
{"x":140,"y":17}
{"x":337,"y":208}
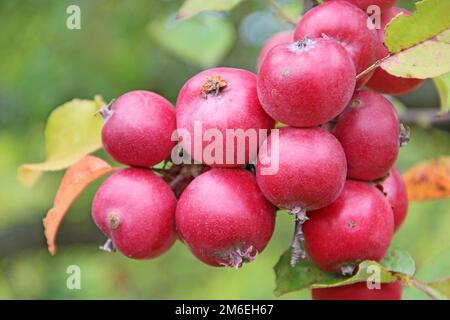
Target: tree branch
{"x":425,"y":118}
{"x":28,"y":235}
{"x":419,"y":285}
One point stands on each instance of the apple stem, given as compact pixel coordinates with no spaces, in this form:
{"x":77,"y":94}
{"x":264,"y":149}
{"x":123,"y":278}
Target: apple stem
{"x":297,"y":250}
{"x":213,"y":85}
{"x":404,"y":135}
{"x":106,"y":112}
{"x":372,"y":67}
{"x":108,"y":246}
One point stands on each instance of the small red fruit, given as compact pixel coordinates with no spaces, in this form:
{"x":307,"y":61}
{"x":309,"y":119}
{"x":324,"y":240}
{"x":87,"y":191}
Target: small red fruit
{"x":136,"y":209}
{"x":359,"y":291}
{"x":369,"y":131}
{"x":364,"y":4}
{"x":218,"y":100}
{"x":224,"y":219}
{"x":138,"y":128}
{"x":306,"y":83}
{"x":273,"y":41}
{"x":381,"y":80}
{"x":358,"y":226}
{"x":311,"y":169}
{"x":345,"y":23}
{"x":395,"y":190}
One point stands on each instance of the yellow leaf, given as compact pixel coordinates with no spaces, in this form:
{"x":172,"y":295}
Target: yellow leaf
{"x":73,"y":130}
{"x":429,"y":180}
{"x":75,"y":180}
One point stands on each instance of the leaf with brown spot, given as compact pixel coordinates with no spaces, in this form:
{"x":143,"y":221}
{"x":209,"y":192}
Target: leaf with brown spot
{"x":429,"y":180}
{"x":75,"y":180}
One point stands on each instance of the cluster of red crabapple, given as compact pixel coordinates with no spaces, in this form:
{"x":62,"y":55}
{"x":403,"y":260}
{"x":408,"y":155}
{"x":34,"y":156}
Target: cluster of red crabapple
{"x":337,"y":148}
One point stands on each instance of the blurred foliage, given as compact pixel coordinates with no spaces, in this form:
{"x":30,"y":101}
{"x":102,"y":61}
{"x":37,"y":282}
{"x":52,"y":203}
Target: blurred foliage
{"x":43,"y":64}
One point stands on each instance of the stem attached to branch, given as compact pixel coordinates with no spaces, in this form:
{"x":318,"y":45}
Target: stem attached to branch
{"x":279,"y":11}
{"x":419,"y":285}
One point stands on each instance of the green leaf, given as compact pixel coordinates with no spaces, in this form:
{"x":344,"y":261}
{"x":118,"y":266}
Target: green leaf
{"x":426,"y":60}
{"x":420,"y":43}
{"x":73,"y":131}
{"x":442,"y":84}
{"x":399,"y":261}
{"x":192,"y":7}
{"x":203,"y":40}
{"x":307,"y":275}
{"x":429,"y":20}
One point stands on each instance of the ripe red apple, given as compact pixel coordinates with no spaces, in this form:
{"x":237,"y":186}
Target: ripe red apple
{"x":395,"y":190}
{"x":306,"y":83}
{"x":369,"y":131}
{"x":345,"y":23}
{"x":224,"y":219}
{"x":136,"y":209}
{"x":311,"y":169}
{"x":358,"y":226}
{"x":138,"y":129}
{"x":216,"y":101}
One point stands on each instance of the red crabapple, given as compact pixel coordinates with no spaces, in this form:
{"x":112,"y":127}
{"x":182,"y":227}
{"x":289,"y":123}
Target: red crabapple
{"x":273,"y":41}
{"x":347,"y":24}
{"x":381,"y":81}
{"x":395,"y":190}
{"x":306,"y":83}
{"x":358,"y":226}
{"x":307,"y":172}
{"x":224,"y":219}
{"x":311,"y":169}
{"x":219,"y":100}
{"x":369,"y":131}
{"x":136,"y":209}
{"x":138,"y":128}
{"x":364,"y":4}
{"x":360,"y":291}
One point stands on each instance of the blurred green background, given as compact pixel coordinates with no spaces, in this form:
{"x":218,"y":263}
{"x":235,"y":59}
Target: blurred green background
{"x":125,"y":45}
